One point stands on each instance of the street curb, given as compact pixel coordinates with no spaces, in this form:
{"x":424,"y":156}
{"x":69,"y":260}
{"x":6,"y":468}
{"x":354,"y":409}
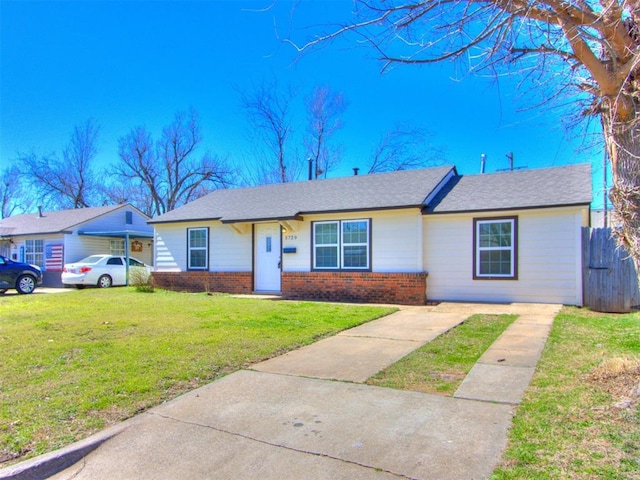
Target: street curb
{"x":47,"y":465}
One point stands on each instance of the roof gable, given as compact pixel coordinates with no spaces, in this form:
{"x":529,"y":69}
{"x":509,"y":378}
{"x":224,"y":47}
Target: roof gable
{"x":518,"y":189}
{"x":55,"y":222}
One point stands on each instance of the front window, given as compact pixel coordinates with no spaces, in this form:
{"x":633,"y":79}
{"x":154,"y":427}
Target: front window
{"x":341,"y":245}
{"x":116,"y":247}
{"x":197,"y":248}
{"x":34,"y":252}
{"x":495,"y":248}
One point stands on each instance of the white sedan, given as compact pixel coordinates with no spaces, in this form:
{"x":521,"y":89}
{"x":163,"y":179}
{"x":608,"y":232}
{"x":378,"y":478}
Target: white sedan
{"x":103,"y":271}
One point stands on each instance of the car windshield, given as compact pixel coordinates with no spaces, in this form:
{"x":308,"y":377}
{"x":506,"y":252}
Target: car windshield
{"x":91,"y":259}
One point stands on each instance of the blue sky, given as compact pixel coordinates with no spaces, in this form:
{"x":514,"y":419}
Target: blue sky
{"x":130,"y":63}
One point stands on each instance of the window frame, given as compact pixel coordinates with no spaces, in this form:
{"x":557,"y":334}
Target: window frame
{"x":191,"y":249}
{"x":513,"y":248}
{"x":119,"y":249}
{"x":34,"y":251}
{"x":340,"y":246}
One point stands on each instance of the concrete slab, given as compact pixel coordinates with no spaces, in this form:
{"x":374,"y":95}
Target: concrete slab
{"x":537,"y":319}
{"x":530,"y":330}
{"x":507,"y":341}
{"x":495,"y":383}
{"x":512,"y":358}
{"x":413,"y":325}
{"x":200,"y":452}
{"x":499,"y":308}
{"x":352,"y":359}
{"x":258,"y":425}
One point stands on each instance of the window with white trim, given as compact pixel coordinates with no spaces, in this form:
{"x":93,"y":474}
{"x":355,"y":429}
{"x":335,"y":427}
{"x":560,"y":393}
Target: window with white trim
{"x":116,"y":247}
{"x":342,"y":245}
{"x":34,"y":252}
{"x":495,"y":248}
{"x":197,"y":248}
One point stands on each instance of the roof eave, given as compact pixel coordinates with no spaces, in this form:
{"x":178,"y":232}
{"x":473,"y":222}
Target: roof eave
{"x":506,"y":209}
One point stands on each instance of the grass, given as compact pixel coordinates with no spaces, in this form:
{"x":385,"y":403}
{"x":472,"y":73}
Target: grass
{"x":579,"y":419}
{"x":76,"y":362}
{"x":440,"y":366}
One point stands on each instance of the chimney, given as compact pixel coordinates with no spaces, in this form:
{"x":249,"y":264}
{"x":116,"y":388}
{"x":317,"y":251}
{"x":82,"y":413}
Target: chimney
{"x":355,"y":171}
{"x":483,"y":160}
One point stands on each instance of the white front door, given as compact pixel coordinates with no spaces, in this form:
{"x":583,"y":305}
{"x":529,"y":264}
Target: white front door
{"x":267,"y":257}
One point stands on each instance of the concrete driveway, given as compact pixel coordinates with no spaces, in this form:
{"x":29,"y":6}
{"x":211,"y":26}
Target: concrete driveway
{"x":307,"y":414}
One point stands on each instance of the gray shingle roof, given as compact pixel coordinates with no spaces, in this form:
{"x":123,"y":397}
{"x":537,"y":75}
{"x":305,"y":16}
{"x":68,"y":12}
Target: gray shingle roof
{"x":285,"y":201}
{"x":544,"y":187}
{"x":51,"y":222}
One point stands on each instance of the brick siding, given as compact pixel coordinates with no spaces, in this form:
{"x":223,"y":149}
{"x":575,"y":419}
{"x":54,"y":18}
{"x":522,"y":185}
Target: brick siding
{"x":227,"y":282}
{"x":362,"y":287}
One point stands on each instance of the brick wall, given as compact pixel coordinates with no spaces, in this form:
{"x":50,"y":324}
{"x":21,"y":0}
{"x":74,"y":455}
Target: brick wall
{"x":227,"y":282}
{"x":363,"y":287}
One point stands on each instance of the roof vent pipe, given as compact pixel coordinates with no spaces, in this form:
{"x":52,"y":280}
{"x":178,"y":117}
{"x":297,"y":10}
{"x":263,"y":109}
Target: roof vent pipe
{"x":355,"y":171}
{"x":40,"y":211}
{"x":483,"y":160}
{"x":310,"y":168}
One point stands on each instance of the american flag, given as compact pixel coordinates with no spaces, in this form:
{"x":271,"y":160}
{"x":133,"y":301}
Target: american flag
{"x":53,"y":258}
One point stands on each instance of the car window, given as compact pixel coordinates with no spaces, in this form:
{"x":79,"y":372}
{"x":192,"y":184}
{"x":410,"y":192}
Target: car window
{"x":114,"y":261}
{"x":91,"y":259}
{"x":3,"y":261}
{"x":135,"y":263}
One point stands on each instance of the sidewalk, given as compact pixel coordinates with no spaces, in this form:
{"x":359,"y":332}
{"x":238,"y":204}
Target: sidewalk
{"x":289,"y":418}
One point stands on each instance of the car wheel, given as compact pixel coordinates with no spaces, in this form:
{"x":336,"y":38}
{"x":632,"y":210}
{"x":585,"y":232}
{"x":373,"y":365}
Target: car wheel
{"x":104,"y":281}
{"x":25,"y":284}
{"x":2,"y":292}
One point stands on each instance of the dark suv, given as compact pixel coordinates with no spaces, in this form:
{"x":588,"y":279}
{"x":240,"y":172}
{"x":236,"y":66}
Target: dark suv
{"x":21,"y":276}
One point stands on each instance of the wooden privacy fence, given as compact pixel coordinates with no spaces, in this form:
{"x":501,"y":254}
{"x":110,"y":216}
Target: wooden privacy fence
{"x":609,"y":279}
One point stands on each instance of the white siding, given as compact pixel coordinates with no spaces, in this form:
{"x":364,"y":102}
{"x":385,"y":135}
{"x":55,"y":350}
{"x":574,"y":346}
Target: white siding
{"x":229,"y":251}
{"x":395,"y":240}
{"x":549,"y":260}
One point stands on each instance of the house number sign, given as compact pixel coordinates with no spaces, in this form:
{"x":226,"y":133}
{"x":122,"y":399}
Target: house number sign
{"x":290,"y":237}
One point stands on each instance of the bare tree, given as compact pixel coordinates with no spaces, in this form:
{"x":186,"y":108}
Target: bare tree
{"x":12,"y":195}
{"x":268,"y":112}
{"x":403,"y":148}
{"x":162,"y":176}
{"x":591,"y":48}
{"x":67,"y":182}
{"x":324,"y":113}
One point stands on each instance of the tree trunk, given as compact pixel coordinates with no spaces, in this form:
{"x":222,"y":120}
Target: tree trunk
{"x":623,"y":144}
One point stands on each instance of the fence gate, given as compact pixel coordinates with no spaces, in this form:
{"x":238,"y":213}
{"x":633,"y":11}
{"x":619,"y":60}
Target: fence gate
{"x":609,"y":279}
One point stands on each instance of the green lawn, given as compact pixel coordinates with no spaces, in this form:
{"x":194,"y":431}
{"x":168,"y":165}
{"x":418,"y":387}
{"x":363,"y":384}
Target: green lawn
{"x":76,"y":362}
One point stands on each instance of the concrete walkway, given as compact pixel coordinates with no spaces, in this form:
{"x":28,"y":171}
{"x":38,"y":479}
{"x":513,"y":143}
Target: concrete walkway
{"x":289,"y":418}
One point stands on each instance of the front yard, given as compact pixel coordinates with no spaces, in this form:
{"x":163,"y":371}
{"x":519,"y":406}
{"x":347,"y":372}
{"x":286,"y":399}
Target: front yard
{"x":77,"y":362}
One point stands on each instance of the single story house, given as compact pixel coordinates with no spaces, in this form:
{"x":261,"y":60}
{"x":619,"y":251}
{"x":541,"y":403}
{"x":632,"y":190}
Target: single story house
{"x":51,"y":239}
{"x":405,"y":237}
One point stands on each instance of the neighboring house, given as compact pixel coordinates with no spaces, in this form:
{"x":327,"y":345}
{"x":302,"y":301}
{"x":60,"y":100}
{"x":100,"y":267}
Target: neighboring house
{"x":51,"y":239}
{"x":403,"y":237}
